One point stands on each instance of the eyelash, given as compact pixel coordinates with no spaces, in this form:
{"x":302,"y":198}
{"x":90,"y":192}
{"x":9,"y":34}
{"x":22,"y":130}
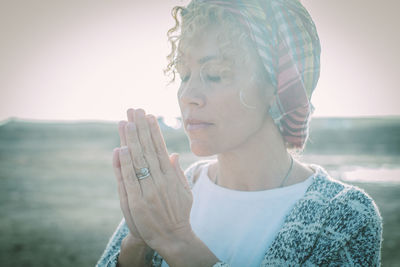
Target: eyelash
{"x":215,"y":79}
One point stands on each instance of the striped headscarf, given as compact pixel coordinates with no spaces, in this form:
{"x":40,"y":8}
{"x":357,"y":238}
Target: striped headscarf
{"x":288,"y":45}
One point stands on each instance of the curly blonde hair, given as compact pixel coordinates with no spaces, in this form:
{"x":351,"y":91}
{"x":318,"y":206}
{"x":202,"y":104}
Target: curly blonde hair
{"x":194,"y":21}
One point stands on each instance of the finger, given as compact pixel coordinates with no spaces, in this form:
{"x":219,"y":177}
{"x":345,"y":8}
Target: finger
{"x":133,"y":143}
{"x":135,"y":148}
{"x":123,"y":197}
{"x":146,"y":143}
{"x":159,"y":144}
{"x":130,"y":114}
{"x":139,"y":161}
{"x":121,"y":131}
{"x":131,"y":183}
{"x":179,"y":172}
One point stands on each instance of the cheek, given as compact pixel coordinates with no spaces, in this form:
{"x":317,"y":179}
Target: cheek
{"x":237,"y":120}
{"x":239,"y":123}
{"x":227,"y":107}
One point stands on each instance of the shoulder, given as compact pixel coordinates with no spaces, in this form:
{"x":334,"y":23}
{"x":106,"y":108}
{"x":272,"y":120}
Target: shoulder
{"x":345,"y":217}
{"x":193,"y":171}
{"x":344,"y":200}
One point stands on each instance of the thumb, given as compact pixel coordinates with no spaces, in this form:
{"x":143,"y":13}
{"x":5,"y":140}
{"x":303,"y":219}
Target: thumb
{"x":175,"y":159}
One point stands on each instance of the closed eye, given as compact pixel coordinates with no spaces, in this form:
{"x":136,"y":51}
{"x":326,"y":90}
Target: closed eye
{"x":214,"y":78}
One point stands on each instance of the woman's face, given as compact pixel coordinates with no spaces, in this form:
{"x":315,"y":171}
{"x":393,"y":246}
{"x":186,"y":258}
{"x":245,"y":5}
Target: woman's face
{"x":214,"y":118}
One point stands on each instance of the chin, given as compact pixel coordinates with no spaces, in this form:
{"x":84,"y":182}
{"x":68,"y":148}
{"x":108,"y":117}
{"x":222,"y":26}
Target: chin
{"x":201,"y":150}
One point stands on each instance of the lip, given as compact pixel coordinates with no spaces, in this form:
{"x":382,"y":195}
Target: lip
{"x":197,"y":126}
{"x":194,"y":124}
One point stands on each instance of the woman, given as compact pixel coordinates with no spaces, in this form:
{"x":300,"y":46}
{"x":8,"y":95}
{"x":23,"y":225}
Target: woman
{"x":248,"y":70}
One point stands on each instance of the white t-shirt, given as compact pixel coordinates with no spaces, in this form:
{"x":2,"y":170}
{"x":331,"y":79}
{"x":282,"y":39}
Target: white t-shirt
{"x":239,"y":226}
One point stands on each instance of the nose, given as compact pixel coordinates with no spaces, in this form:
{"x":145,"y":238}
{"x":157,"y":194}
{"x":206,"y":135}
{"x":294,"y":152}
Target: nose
{"x":190,"y":94}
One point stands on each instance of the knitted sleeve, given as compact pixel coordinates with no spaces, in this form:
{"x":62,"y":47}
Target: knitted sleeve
{"x":352,"y":235}
{"x":111,"y":253}
{"x":364,"y":249}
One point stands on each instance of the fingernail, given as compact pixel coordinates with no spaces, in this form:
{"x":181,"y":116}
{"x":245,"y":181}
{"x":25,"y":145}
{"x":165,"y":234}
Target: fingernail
{"x":130,"y":114}
{"x":140,"y":113}
{"x":151,"y":118}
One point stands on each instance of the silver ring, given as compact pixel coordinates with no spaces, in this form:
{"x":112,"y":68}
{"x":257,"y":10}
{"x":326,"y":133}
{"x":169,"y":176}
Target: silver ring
{"x":143,"y":173}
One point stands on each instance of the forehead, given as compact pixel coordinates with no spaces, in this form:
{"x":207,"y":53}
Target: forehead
{"x":199,"y":50}
{"x":204,"y":42}
{"x":214,"y":45}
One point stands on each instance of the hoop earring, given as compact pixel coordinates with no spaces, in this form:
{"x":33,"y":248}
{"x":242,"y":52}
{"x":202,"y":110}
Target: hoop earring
{"x":241,"y":100}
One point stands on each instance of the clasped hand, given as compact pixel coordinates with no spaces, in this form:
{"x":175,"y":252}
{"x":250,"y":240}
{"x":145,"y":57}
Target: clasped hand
{"x":156,"y":208}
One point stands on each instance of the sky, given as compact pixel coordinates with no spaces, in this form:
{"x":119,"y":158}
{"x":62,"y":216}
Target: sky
{"x":92,"y":60}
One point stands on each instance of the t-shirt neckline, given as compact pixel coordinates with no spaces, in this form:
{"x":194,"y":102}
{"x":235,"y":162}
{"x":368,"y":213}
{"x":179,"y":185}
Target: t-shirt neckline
{"x":280,"y":190}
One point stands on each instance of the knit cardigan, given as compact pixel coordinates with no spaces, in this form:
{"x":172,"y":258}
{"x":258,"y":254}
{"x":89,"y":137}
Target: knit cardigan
{"x":333,"y":224}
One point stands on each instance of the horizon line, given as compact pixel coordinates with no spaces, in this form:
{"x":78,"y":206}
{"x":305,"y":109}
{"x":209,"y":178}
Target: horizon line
{"x":34,"y":120}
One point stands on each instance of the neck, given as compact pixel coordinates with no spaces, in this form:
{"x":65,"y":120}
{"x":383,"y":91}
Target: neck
{"x":260,"y":163}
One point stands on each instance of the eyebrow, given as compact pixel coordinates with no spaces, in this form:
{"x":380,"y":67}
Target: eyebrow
{"x":205,"y":59}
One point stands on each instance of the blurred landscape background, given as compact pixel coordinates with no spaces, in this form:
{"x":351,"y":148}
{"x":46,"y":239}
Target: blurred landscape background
{"x":88,"y":60}
{"x":58,"y":196}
